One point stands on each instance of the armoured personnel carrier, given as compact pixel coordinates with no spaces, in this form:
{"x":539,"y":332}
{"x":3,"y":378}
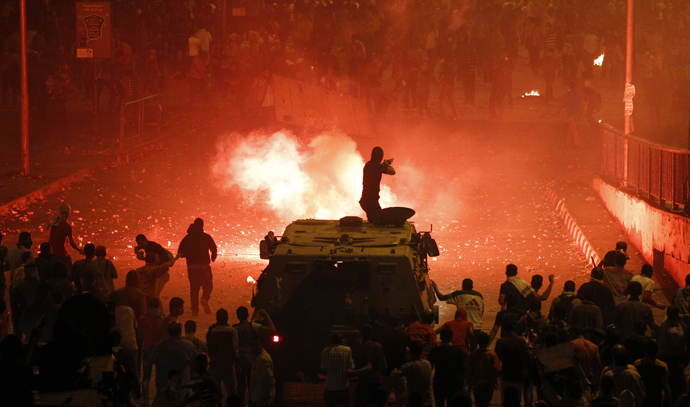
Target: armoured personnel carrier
{"x":326,"y":276}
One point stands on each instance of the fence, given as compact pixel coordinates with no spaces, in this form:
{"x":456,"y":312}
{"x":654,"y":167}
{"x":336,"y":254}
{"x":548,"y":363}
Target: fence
{"x":139,"y":120}
{"x":654,"y":171}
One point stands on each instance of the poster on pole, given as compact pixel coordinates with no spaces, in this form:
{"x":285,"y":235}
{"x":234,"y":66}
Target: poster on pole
{"x":94,"y":29}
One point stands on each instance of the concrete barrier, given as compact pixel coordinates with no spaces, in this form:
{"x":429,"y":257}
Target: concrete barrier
{"x":574,"y":229}
{"x":662,"y":237}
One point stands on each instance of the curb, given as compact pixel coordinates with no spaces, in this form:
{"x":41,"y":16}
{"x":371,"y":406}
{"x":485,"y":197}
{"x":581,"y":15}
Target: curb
{"x":574,"y":229}
{"x":58,"y":185}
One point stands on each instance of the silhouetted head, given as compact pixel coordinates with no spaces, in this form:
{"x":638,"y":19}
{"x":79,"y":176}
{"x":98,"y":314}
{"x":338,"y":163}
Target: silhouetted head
{"x":446,"y":335}
{"x":175,"y":329}
{"x":634,"y":289}
{"x":597,"y":273}
{"x":153,"y":303}
{"x":176,"y":306}
{"x":687,"y":279}
{"x":467,"y":284}
{"x":673,"y":313}
{"x":101,"y":251}
{"x":377,"y":154}
{"x":535,"y":304}
{"x":65,"y":211}
{"x":569,"y":286}
{"x":647,"y":270}
{"x":620,"y":355}
{"x":25,"y":240}
{"x":537,"y":282}
{"x":89,"y":250}
{"x":198,"y":222}
{"x":511,"y":270}
{"x":621,"y":246}
{"x":483,"y":339}
{"x":621,"y":259}
{"x":132,"y":279}
{"x":222,"y":316}
{"x":416,"y":348}
{"x":141,"y":240}
{"x":242,"y":313}
{"x":44,"y":248}
{"x":190,"y":327}
{"x":587,"y":293}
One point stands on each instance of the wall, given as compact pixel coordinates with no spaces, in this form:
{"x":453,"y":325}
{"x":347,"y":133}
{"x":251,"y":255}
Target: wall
{"x":651,"y":229}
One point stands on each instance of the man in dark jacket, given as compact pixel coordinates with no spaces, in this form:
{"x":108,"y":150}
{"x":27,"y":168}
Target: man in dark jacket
{"x":603,"y":297}
{"x":195,"y":247}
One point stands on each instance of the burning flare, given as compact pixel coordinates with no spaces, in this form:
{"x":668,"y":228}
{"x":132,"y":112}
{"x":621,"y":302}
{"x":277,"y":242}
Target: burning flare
{"x":599,"y":61}
{"x":321,"y":178}
{"x":531,"y":93}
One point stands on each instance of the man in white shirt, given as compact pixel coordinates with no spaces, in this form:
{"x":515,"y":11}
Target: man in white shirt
{"x":645,"y":280}
{"x":194,"y":45}
{"x":205,"y":39}
{"x":472,"y":301}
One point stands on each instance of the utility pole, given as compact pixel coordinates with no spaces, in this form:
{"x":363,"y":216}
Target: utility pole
{"x":630,"y":88}
{"x":24,"y":93}
{"x":225,"y":23}
{"x":629,"y":92}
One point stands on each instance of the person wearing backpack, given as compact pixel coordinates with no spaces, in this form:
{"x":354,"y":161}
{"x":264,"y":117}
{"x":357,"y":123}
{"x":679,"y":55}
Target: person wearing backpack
{"x":87,"y":276}
{"x":567,"y":298}
{"x":532,"y":323}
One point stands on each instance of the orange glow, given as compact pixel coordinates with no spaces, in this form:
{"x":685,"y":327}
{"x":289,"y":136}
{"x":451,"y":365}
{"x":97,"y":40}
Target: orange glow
{"x":318,"y":178}
{"x":599,"y":61}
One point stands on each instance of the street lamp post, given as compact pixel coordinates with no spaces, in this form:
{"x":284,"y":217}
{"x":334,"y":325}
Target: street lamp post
{"x":629,"y":92}
{"x":24,"y":92}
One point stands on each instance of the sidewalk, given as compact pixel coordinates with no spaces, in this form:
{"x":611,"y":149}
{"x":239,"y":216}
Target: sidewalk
{"x":600,"y":230}
{"x":61,"y":153}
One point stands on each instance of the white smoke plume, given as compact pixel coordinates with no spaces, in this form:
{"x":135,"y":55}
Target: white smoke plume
{"x":320,"y":178}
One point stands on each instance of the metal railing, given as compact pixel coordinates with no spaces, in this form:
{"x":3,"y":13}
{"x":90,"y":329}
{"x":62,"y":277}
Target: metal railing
{"x":654,"y":171}
{"x":138,"y":120}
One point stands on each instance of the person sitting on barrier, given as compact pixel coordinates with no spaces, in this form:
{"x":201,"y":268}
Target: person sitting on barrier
{"x":373,"y":170}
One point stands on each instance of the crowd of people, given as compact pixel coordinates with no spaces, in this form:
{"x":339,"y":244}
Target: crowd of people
{"x":597,"y":345}
{"x":389,"y":53}
{"x":60,"y":315}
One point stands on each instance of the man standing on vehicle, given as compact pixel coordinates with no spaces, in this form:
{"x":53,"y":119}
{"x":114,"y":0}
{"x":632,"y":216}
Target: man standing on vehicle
{"x":195,"y":247}
{"x":373,"y":170}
